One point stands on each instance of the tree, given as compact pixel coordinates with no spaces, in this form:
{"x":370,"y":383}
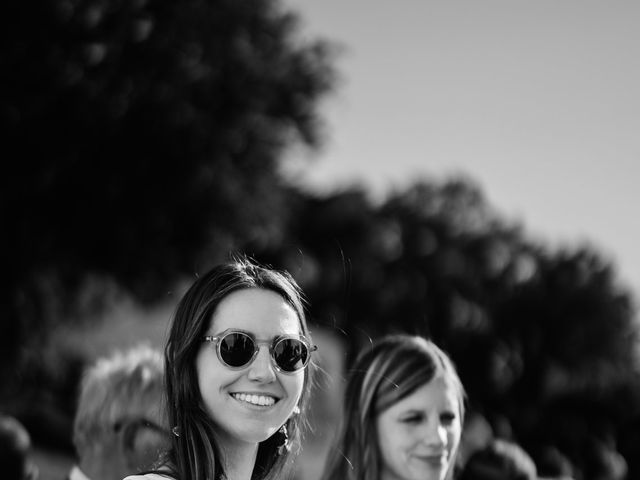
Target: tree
{"x":141,"y":139}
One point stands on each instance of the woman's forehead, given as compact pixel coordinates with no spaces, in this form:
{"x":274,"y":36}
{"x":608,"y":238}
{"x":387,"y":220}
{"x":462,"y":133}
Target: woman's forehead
{"x":438,"y":392}
{"x":262,"y":312}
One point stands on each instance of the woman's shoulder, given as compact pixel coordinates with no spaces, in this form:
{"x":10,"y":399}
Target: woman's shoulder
{"x":149,"y":476}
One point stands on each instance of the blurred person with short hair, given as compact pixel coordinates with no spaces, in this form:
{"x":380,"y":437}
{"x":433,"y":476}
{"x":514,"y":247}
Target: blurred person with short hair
{"x":120,"y":426}
{"x":15,"y":448}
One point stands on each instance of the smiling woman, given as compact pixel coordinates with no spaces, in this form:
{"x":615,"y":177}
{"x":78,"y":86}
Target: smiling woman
{"x":236,"y":376}
{"x":404,"y":410}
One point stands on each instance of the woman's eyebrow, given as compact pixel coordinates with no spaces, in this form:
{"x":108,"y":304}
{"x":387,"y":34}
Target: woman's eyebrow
{"x":233,"y":330}
{"x":412,"y":411}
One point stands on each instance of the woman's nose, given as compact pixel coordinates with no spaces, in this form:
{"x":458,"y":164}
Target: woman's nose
{"x":261,"y":369}
{"x":435,"y":434}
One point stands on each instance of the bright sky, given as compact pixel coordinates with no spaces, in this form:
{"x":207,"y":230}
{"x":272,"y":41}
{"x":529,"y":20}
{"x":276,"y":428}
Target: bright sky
{"x":536,"y":101}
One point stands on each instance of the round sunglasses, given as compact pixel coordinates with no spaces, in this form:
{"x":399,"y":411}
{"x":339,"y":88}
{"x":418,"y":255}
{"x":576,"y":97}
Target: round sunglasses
{"x":237,"y":349}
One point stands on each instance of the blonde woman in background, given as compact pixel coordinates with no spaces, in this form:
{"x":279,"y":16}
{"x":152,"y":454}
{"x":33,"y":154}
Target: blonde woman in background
{"x":404,"y":411}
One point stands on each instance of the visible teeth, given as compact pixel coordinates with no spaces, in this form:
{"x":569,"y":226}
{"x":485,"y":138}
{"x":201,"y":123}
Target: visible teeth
{"x":255,"y":399}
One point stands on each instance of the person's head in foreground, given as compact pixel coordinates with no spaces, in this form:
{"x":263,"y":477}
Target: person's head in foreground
{"x":404,"y":410}
{"x":120,"y":426}
{"x":236,"y":379}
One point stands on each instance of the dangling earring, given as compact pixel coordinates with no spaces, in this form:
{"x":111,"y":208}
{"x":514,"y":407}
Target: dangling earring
{"x":282,"y":440}
{"x":176,"y":431}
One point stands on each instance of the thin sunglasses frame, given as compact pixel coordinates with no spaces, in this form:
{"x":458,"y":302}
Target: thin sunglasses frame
{"x":256,"y":348}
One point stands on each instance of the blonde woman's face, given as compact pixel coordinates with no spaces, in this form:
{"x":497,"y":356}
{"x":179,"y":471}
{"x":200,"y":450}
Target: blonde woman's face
{"x":419,"y":435}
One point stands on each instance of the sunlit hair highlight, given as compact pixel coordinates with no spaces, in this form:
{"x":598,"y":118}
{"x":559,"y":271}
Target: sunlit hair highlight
{"x":391,"y":369}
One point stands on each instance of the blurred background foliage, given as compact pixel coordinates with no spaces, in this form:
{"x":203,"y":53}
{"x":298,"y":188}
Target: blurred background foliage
{"x":143,"y":141}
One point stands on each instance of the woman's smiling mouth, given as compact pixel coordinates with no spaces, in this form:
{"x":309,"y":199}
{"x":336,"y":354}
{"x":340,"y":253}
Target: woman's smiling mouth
{"x":255,"y":399}
{"x":434,"y":460}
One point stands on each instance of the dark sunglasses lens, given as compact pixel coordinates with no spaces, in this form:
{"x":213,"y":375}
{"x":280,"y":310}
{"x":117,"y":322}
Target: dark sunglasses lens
{"x":236,"y":349}
{"x":290,"y":354}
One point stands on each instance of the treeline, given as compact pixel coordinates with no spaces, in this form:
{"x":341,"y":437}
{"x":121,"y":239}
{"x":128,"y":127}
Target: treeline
{"x":545,"y":340}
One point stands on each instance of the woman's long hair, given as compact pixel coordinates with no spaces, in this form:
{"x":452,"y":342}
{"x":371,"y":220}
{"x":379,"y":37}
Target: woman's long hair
{"x":194,"y":454}
{"x":394,"y":368}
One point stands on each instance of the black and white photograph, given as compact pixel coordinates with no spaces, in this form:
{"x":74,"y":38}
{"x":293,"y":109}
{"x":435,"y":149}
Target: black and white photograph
{"x":320,"y":240}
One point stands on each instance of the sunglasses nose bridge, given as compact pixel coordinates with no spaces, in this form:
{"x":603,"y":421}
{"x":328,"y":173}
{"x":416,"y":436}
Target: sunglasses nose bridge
{"x":262,"y":366}
{"x":257,"y":346}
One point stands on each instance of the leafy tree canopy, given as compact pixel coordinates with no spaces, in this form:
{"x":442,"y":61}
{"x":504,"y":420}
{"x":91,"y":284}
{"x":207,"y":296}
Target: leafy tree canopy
{"x":141,"y":139}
